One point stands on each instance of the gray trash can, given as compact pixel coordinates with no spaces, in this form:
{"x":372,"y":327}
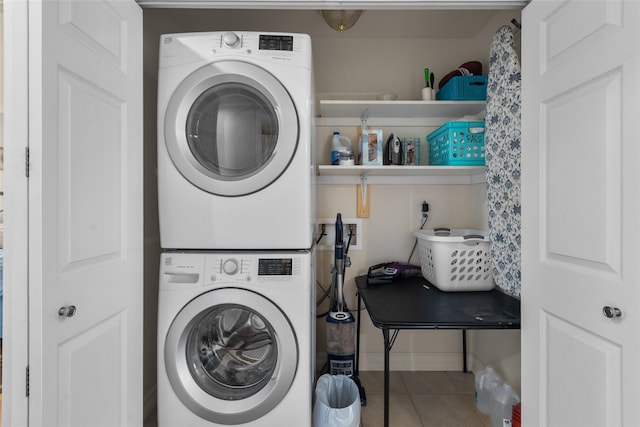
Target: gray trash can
{"x":337,"y":402}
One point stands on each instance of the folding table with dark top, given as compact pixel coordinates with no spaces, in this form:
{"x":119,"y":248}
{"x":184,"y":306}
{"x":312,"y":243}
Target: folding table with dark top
{"x":414,"y":303}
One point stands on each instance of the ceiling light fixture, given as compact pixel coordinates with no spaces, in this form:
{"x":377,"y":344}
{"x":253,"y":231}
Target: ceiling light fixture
{"x":341,"y":20}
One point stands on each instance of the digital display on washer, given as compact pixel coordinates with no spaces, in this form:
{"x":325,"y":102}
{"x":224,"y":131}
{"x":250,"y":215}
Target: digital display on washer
{"x":271,"y":42}
{"x":275,"y":267}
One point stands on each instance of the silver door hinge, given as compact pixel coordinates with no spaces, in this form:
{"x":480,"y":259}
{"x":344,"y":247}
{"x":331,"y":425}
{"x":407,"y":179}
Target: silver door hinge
{"x":27,"y":378}
{"x":26,"y":161}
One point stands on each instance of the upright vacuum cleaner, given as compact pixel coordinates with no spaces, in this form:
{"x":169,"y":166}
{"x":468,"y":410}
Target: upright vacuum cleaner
{"x":341,"y":325}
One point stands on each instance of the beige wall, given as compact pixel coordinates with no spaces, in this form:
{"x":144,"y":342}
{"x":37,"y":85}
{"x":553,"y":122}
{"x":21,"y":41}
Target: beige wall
{"x":384,"y":53}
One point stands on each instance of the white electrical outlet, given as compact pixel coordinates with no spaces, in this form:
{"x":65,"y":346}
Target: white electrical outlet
{"x":327,"y":242}
{"x":421,"y":218}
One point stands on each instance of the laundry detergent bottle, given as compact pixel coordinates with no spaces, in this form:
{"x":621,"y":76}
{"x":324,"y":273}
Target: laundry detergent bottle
{"x":339,"y":143}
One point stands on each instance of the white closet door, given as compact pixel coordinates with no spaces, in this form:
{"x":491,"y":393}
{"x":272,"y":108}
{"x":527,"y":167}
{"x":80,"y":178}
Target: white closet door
{"x":85,"y":213}
{"x":581,"y":204}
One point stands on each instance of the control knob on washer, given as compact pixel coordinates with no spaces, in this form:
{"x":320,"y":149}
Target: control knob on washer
{"x":230,"y":39}
{"x":230,"y":266}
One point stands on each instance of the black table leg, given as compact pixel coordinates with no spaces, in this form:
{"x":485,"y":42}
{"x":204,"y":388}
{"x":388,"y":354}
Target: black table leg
{"x":387,"y":349}
{"x":356,"y":368}
{"x":464,"y":350}
{"x":357,"y":361}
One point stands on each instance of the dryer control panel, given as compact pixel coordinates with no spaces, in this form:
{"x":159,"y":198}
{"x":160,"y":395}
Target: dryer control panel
{"x":275,"y":42}
{"x":291,"y":48}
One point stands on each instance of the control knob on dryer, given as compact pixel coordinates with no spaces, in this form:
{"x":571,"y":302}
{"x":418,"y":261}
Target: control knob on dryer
{"x":230,"y":39}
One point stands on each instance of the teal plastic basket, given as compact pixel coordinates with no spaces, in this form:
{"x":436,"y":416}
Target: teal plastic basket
{"x":457,"y":144}
{"x":464,"y":88}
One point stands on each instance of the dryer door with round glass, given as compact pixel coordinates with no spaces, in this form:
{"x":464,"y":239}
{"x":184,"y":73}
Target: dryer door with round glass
{"x":231,"y":355}
{"x":231,"y":128}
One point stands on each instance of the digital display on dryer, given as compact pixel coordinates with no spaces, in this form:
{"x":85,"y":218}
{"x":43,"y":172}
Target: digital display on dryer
{"x":271,"y":42}
{"x":275,"y":267}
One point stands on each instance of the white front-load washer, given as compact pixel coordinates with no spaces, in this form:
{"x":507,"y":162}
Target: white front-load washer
{"x":235,"y":141}
{"x":236,"y":339}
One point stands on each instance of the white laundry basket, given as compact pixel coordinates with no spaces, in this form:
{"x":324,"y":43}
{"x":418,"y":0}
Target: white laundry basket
{"x":456,"y":259}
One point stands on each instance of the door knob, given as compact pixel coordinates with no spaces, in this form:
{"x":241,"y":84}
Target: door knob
{"x":611,"y":312}
{"x":67,"y":311}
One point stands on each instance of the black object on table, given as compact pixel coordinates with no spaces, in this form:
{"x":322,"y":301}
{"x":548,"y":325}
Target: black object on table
{"x":414,"y":303}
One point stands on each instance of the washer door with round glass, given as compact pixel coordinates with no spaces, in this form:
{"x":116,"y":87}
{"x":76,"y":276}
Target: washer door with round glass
{"x":231,"y":128}
{"x":231,"y":355}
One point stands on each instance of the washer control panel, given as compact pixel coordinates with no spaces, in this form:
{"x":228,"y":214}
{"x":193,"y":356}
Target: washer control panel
{"x":197,"y":269}
{"x":252,"y":267}
{"x":275,"y":267}
{"x":230,"y":266}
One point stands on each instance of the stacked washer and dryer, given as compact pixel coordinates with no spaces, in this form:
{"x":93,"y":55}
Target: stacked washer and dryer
{"x":236,"y":309}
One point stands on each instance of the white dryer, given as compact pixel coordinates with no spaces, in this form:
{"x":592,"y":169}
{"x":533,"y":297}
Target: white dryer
{"x":236,"y":339}
{"x":235,"y":132}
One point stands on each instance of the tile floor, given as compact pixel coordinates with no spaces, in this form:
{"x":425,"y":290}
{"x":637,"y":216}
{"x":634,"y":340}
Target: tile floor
{"x":417,"y":399}
{"x":422,"y":399}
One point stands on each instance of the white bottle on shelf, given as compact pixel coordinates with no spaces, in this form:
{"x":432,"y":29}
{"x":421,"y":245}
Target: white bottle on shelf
{"x":339,"y":143}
